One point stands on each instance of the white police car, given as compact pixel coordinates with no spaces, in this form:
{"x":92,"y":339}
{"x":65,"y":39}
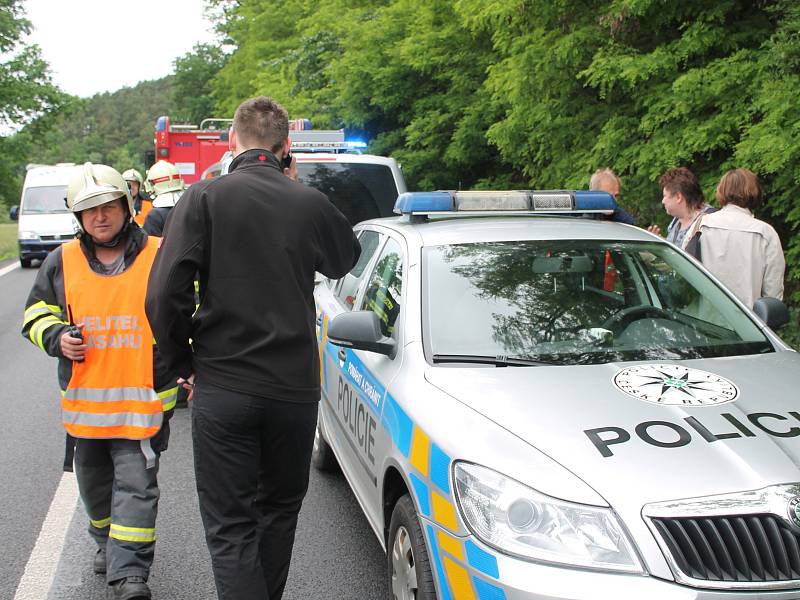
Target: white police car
{"x":534,"y":405}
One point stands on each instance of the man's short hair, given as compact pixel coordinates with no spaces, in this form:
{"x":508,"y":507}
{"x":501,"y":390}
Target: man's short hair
{"x":261,"y":123}
{"x":684,"y":181}
{"x":600,"y":175}
{"x":740,"y":187}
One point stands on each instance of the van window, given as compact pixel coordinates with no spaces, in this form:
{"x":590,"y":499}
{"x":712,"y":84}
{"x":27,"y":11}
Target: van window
{"x":44,"y":199}
{"x":360,"y":190}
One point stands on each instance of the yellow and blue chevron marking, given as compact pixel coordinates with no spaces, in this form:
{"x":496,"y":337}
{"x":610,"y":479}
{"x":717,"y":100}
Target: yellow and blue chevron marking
{"x":462,"y":568}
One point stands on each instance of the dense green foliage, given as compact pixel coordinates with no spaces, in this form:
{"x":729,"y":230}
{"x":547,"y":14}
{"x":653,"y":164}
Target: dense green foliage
{"x":112,"y":128}
{"x":191,"y":84}
{"x":25,"y":89}
{"x":469,"y":93}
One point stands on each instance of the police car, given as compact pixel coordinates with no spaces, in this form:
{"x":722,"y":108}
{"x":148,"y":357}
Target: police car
{"x":530,"y":404}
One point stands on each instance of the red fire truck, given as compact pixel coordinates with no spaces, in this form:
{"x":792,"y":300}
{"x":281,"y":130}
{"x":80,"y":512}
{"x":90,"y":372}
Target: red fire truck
{"x":193,"y":149}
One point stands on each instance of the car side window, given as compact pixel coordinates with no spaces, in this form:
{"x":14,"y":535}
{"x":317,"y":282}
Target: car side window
{"x":347,"y":287}
{"x":385,"y":287}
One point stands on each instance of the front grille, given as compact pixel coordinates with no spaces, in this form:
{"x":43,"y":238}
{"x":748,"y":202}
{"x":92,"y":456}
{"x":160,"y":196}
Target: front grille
{"x":755,"y":548}
{"x":63,"y":237}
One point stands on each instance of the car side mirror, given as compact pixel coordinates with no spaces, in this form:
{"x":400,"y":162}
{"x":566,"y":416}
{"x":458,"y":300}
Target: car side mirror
{"x":772,"y":311}
{"x":14,"y":213}
{"x":361,"y":330}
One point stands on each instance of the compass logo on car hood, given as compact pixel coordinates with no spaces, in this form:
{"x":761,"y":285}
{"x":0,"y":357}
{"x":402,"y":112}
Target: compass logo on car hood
{"x":675,"y":385}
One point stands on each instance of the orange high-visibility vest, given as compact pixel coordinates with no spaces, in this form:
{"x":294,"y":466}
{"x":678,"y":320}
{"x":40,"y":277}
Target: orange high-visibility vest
{"x":147,"y":206}
{"x":610,"y":273}
{"x":110,"y":394}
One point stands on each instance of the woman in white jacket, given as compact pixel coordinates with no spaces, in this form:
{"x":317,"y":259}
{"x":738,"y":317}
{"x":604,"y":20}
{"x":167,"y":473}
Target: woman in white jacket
{"x":740,"y":250}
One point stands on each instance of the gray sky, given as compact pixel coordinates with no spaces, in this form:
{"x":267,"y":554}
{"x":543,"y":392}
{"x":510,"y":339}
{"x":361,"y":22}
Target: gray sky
{"x":102,"y":45}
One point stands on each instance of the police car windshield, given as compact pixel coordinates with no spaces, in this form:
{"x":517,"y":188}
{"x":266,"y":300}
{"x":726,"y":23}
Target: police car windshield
{"x":361,"y":191}
{"x":578,"y":302}
{"x":44,"y":199}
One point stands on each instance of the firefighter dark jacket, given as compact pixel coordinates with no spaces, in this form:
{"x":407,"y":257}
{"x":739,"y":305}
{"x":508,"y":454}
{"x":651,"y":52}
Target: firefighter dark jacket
{"x":254,"y":238}
{"x":45,"y":319}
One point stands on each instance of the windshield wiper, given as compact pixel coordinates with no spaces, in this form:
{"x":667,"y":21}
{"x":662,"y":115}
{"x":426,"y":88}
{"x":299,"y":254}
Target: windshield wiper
{"x":497,"y":361}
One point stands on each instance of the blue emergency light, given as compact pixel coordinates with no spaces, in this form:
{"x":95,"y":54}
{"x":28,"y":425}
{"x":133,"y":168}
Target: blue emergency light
{"x":510,"y":201}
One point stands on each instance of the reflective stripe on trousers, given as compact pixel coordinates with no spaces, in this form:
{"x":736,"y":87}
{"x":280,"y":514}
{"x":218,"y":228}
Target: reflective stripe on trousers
{"x":132,"y":534}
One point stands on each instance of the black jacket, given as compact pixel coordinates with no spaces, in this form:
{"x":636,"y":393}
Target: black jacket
{"x":45,"y":318}
{"x":156,"y":218}
{"x":254,"y":238}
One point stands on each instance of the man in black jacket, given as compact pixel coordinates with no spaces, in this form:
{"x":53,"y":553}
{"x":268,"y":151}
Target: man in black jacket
{"x":255,"y":239}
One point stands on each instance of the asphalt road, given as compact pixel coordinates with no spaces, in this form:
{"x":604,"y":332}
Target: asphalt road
{"x":336,"y":554}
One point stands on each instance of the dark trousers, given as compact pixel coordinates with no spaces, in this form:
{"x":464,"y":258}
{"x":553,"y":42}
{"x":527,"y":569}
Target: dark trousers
{"x":121,"y":498}
{"x":251,"y":460}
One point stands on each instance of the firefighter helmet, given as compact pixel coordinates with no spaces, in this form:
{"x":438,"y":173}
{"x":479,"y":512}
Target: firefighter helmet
{"x":133,"y":175}
{"x":164,"y":177}
{"x":147,"y":186}
{"x":92,"y":185}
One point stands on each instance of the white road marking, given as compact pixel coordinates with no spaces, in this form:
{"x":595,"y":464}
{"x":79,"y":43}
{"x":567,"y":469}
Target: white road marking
{"x":41,"y":568}
{"x":9,"y":268}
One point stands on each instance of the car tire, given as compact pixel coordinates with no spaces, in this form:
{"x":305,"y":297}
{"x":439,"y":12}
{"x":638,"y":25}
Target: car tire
{"x":409,"y":568}
{"x":322,"y":456}
{"x":26,"y":263}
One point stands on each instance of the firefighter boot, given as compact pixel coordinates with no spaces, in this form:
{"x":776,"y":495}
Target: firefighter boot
{"x":129,"y":588}
{"x":100,"y":561}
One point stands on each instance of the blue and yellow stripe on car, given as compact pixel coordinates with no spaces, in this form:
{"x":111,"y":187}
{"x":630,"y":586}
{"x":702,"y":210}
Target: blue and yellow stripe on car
{"x":322,"y":338}
{"x":464,"y":570}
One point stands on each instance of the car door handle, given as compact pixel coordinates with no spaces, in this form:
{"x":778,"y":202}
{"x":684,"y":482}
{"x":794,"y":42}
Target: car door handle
{"x":319,"y":320}
{"x":342,"y":354}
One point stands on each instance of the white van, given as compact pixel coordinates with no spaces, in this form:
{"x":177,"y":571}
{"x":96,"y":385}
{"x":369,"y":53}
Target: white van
{"x":44,"y":220}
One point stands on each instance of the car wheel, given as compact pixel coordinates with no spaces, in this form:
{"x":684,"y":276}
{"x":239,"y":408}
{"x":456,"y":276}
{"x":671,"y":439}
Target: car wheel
{"x":322,"y":456}
{"x":410,"y":575}
{"x":26,"y":263}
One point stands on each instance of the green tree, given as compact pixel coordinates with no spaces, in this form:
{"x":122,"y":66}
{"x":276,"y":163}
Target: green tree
{"x":469,"y":93}
{"x":25,"y":92}
{"x":25,"y":86}
{"x":191,"y":83}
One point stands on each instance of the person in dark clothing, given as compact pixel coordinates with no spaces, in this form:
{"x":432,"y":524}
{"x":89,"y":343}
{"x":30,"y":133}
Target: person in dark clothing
{"x":255,"y":239}
{"x":167,"y":185}
{"x":605,"y":180}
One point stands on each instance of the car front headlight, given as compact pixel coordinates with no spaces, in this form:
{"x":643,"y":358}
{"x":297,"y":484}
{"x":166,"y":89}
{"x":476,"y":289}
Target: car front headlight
{"x":518,"y":520}
{"x":27,"y":235}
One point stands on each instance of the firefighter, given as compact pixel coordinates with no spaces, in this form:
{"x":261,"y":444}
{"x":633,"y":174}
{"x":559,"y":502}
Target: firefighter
{"x":86,"y":308}
{"x":167,"y":186}
{"x":142,"y":202}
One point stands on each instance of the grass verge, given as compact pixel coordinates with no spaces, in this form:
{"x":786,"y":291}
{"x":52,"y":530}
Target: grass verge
{"x":8,"y":240}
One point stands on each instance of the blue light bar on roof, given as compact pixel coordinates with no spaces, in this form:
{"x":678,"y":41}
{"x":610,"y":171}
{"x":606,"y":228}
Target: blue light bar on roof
{"x":602,"y":201}
{"x":423,"y":202}
{"x":513,"y":201}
